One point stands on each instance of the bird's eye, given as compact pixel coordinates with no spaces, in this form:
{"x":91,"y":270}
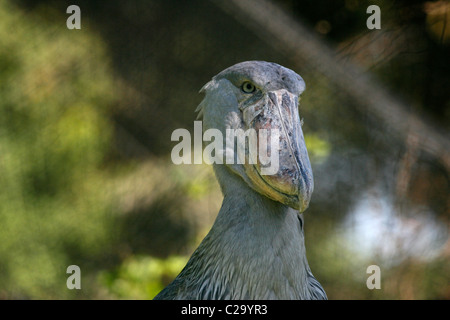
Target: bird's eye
{"x":248,"y":87}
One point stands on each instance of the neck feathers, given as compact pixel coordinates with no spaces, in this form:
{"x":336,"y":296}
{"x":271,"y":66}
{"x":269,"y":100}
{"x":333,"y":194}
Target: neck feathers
{"x":255,"y":250}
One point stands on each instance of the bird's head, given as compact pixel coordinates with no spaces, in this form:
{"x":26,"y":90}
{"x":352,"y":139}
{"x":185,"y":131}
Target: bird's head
{"x":261,"y":99}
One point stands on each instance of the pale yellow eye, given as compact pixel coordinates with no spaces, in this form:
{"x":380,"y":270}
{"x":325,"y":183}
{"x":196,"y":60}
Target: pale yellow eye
{"x":248,"y":87}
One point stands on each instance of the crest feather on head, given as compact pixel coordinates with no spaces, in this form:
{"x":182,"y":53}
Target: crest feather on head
{"x":199,"y":108}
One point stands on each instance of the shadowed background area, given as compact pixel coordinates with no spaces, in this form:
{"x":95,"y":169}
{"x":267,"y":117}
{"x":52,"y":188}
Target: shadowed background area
{"x":86,"y":118}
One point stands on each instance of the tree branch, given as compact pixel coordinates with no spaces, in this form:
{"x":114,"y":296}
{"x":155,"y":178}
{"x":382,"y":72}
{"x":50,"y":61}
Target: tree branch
{"x":298,"y":42}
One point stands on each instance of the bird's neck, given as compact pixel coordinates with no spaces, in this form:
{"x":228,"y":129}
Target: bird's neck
{"x":255,"y":249}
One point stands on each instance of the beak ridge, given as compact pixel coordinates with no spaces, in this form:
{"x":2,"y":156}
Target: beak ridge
{"x":293,"y":183}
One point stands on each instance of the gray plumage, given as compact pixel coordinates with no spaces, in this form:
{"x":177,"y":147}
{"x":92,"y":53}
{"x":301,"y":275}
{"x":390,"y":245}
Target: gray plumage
{"x":255,"y":249}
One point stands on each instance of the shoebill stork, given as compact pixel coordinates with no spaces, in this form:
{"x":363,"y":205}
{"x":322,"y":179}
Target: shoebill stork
{"x":255,"y":248}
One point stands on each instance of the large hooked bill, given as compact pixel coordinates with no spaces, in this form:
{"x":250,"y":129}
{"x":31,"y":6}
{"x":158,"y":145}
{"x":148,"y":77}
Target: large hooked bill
{"x":282,"y":170}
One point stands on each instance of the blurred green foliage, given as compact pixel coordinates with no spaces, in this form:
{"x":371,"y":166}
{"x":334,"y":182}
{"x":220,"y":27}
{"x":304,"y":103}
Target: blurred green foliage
{"x":55,"y":91}
{"x":318,"y":149}
{"x":57,"y":206}
{"x":141,"y":277}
